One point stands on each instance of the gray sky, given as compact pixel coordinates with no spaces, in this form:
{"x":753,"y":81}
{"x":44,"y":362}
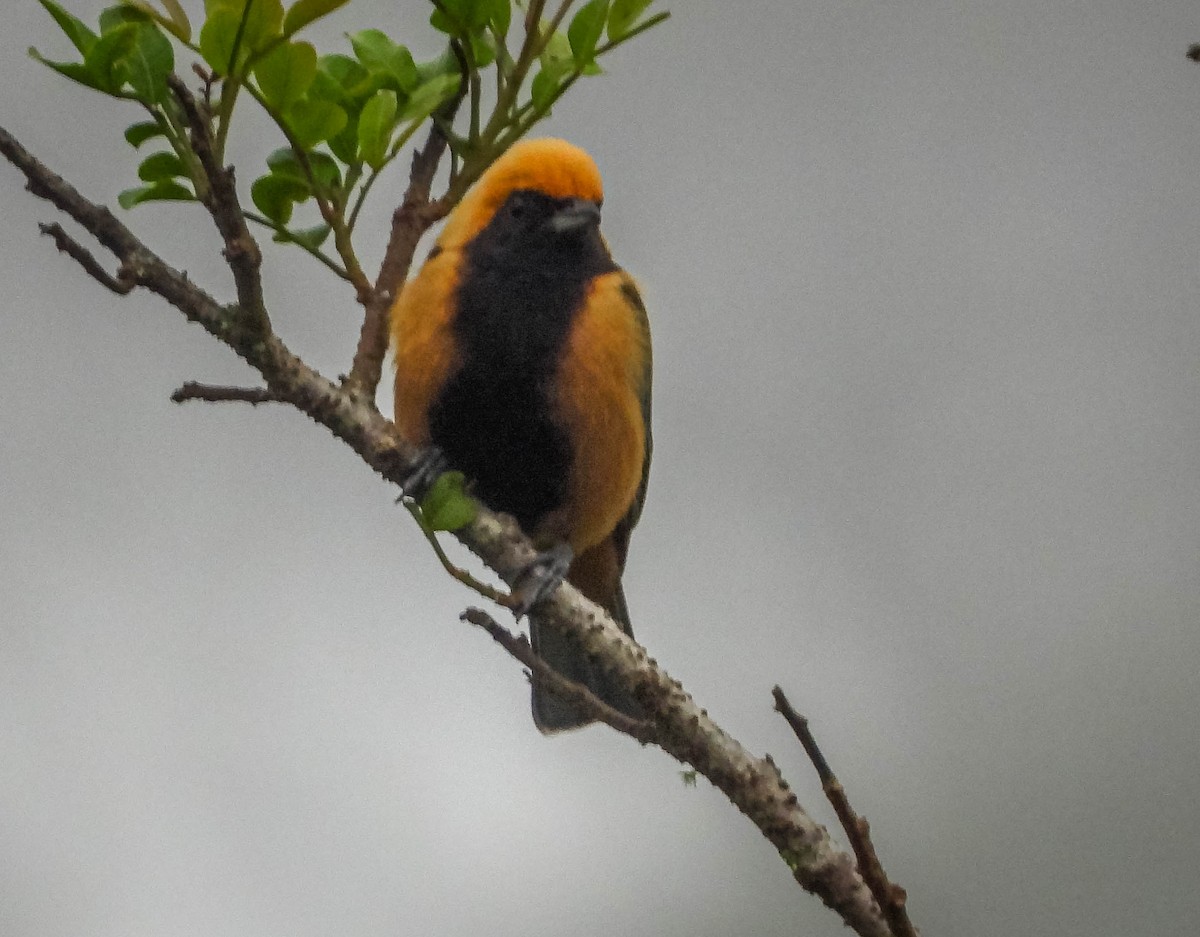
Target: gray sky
{"x":923,"y":281}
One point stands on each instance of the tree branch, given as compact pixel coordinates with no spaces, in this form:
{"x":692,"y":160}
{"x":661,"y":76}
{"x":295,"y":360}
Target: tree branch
{"x":121,"y":284}
{"x":220,"y":198}
{"x":545,"y":675}
{"x":410,"y":221}
{"x":891,"y":897}
{"x":214,"y":393}
{"x":682,"y":728}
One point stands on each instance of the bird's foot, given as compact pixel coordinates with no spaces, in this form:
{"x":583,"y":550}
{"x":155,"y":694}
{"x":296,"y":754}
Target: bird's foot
{"x":538,"y":581}
{"x":430,"y":464}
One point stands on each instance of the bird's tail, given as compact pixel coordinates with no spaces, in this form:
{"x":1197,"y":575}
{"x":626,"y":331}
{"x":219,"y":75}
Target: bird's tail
{"x":565,"y":654}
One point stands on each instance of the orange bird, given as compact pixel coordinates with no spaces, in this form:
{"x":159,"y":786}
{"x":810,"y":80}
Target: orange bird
{"x":523,"y":355}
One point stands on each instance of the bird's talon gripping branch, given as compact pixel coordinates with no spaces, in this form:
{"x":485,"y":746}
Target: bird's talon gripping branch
{"x":540,"y":578}
{"x":431,"y":464}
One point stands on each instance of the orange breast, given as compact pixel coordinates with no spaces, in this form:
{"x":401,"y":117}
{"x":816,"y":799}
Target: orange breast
{"x":423,"y":343}
{"x":598,"y":387}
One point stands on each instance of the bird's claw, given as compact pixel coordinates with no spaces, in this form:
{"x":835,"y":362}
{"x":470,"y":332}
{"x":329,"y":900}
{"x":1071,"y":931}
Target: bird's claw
{"x":538,"y":581}
{"x":429,"y":466}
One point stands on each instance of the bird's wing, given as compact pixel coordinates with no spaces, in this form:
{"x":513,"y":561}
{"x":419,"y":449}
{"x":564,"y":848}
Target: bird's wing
{"x":624,"y":529}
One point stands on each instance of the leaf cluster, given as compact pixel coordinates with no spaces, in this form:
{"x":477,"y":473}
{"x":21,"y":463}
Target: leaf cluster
{"x":343,"y":116}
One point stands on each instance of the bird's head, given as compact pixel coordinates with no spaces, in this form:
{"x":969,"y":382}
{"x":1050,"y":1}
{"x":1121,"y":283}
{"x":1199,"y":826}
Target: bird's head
{"x":543,"y":190}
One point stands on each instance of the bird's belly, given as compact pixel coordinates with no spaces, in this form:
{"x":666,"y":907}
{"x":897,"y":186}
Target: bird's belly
{"x":498,"y":430}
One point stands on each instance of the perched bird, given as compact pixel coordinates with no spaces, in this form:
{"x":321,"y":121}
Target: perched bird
{"x":523,"y":354}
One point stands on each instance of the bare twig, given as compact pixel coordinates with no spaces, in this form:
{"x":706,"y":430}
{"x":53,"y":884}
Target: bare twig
{"x":121,"y":284}
{"x":220,"y":198}
{"x":890,"y":897}
{"x":545,"y":675}
{"x":216,"y":393}
{"x":410,"y":221}
{"x":42,"y":182}
{"x":138,"y":263}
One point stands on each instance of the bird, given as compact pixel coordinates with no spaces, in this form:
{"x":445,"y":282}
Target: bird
{"x":523,"y":358}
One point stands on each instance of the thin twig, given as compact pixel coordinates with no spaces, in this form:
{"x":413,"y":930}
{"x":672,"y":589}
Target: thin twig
{"x":555,"y":22}
{"x":217,"y":393}
{"x":137,"y":262}
{"x":283,"y":234}
{"x":456,"y":572}
{"x":241,"y":250}
{"x":46,"y":184}
{"x":531,"y":47}
{"x":890,"y":897}
{"x":566,"y":689}
{"x":121,"y":284}
{"x":409,"y":222}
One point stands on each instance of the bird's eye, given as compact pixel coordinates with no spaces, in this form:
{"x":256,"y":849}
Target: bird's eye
{"x":516,"y":208}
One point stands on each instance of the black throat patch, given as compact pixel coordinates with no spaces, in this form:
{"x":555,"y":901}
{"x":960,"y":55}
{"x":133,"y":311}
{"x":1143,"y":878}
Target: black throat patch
{"x":522,"y":285}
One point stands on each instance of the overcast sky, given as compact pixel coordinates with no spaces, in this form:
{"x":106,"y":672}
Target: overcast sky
{"x":923,"y":280}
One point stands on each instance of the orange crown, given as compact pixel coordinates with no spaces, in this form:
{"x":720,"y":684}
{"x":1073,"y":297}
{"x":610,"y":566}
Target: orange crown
{"x":554,"y":167}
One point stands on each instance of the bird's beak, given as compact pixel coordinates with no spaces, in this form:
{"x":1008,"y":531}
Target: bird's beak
{"x":575,"y":215}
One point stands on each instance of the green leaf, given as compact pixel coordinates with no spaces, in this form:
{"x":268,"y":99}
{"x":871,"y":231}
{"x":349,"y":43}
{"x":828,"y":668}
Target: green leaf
{"x":311,"y":238}
{"x":175,"y":20}
{"x":474,"y":13}
{"x":158,"y":192}
{"x":264,"y":22}
{"x":159,"y":167}
{"x":344,"y":143}
{"x":113,"y":17}
{"x":483,"y":49}
{"x":462,"y":17}
{"x":380,"y":54}
{"x":542,"y":90}
{"x":233,"y":27}
{"x":312,"y":121}
{"x":557,"y":58}
{"x":179,"y":18}
{"x":286,"y":72}
{"x":325,"y":169}
{"x":375,"y":126}
{"x":443,"y":24}
{"x":104,"y":59}
{"x":149,"y":63}
{"x":82,"y":38}
{"x":303,"y":12}
{"x":431,"y":95}
{"x":587,"y":26}
{"x":444,"y":64}
{"x":285,"y":162}
{"x":146,"y":65}
{"x":342,"y":69}
{"x":447,"y":506}
{"x":277,"y":195}
{"x":137,"y":134}
{"x":328,"y":84}
{"x":76,"y":71}
{"x":501,"y":16}
{"x":623,"y":15}
{"x":218,"y":40}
